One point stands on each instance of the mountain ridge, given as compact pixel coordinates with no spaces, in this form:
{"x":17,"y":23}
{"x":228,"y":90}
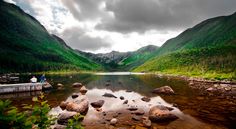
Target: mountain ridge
{"x":26,"y":46}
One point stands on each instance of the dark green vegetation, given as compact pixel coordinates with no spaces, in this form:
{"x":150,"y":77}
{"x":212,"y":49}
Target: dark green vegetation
{"x":206,"y":50}
{"x":26,"y":46}
{"x":33,"y":116}
{"x":123,"y":61}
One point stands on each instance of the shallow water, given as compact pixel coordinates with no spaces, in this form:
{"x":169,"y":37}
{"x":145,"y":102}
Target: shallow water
{"x":194,"y":110}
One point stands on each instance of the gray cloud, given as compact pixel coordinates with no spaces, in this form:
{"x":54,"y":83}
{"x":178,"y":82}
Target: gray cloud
{"x":85,"y":9}
{"x":143,"y":15}
{"x":79,"y":40}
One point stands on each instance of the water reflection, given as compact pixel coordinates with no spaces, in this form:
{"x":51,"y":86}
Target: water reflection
{"x":192,"y":105}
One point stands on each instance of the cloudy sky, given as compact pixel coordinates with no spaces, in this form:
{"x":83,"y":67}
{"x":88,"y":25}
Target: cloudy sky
{"x":121,"y":25}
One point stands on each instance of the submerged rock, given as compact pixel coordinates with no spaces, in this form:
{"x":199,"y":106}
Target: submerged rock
{"x":164,"y":90}
{"x":139,"y":112}
{"x":98,"y":104}
{"x":136,"y":118}
{"x":109,"y":95}
{"x":161,"y":114}
{"x":113,"y":121}
{"x":146,"y":122}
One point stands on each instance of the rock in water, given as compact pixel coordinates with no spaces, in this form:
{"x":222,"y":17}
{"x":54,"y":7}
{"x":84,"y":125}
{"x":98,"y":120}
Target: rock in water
{"x":132,"y":108}
{"x":109,"y":95}
{"x":113,"y":121}
{"x":76,"y":84}
{"x":122,"y":98}
{"x":74,"y":95}
{"x":64,"y":117}
{"x":139,"y":112}
{"x":161,"y":114}
{"x":164,"y":90}
{"x":81,"y":108}
{"x":146,"y":122}
{"x":125,"y":102}
{"x":60,"y":85}
{"x":146,"y":99}
{"x":97,"y":104}
{"x":83,"y":90}
{"x":63,"y":105}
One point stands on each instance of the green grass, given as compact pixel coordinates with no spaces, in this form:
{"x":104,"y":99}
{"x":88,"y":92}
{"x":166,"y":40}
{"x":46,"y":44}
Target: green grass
{"x":214,"y":62}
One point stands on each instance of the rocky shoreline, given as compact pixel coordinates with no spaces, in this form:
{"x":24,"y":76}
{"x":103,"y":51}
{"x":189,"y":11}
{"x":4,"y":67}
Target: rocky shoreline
{"x":211,"y":87}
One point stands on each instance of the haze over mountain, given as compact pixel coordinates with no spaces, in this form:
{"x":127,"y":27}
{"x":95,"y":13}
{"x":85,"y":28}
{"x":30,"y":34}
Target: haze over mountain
{"x":123,"y":61}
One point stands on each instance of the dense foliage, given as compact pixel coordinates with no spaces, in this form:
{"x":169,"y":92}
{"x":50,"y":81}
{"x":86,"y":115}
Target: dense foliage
{"x":34,"y":116}
{"x":26,"y":46}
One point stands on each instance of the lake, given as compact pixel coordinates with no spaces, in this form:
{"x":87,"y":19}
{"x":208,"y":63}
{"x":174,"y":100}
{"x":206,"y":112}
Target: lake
{"x":193,"y":109}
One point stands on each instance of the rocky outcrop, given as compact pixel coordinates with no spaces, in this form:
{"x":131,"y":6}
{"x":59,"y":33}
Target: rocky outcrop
{"x":161,"y":114}
{"x":109,"y":95}
{"x":164,"y":90}
{"x":98,"y":104}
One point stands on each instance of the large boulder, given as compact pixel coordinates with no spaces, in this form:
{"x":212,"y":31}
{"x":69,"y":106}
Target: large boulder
{"x":164,"y":90}
{"x":109,"y":95}
{"x":81,"y":108}
{"x":161,"y":113}
{"x":64,"y":117}
{"x":98,"y":104}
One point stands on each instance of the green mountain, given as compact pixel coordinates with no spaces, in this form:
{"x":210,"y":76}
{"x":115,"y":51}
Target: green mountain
{"x":122,"y":61}
{"x":212,"y":32}
{"x":207,"y":50}
{"x":138,"y":57}
{"x":26,"y":46}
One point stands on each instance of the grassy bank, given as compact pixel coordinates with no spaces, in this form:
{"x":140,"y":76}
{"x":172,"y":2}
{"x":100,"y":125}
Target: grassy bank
{"x":215,"y":62}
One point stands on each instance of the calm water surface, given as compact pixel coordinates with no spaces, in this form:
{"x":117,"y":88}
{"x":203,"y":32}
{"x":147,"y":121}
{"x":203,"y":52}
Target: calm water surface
{"x":193,"y":109}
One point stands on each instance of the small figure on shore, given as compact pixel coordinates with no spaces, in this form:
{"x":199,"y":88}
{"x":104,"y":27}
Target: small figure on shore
{"x":42,"y":78}
{"x":33,"y":79}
